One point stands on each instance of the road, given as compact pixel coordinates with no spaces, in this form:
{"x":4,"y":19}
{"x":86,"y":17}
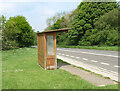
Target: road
{"x":98,"y":61}
{"x":104,"y":59}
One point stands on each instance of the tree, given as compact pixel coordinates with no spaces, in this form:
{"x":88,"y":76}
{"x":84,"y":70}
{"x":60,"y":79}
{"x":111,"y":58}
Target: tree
{"x":87,"y":15}
{"x":17,"y":33}
{"x":53,"y":21}
{"x":2,"y":29}
{"x":106,"y":30}
{"x":0,"y":33}
{"x":63,"y":20}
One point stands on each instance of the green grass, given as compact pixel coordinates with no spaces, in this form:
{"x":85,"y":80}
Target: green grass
{"x":110,"y":48}
{"x":21,"y":71}
{"x":0,"y":71}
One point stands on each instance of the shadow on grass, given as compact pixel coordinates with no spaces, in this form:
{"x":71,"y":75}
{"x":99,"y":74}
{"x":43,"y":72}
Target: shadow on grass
{"x":61,"y":63}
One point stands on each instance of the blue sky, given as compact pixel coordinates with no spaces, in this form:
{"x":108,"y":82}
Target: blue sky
{"x":36,"y":11}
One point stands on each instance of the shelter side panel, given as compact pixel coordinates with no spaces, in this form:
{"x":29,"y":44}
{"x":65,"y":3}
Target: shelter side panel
{"x":41,"y":50}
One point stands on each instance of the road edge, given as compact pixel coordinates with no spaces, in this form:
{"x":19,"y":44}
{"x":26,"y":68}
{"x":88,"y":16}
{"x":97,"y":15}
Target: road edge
{"x":107,"y":73}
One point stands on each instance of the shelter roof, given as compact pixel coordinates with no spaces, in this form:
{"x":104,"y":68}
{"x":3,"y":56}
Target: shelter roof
{"x":55,"y":31}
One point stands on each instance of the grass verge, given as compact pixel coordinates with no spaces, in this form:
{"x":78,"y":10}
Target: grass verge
{"x":110,"y":48}
{"x":59,"y":60}
{"x":21,"y":71}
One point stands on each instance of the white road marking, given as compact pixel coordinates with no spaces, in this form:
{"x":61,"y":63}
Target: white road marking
{"x":93,"y":61}
{"x":112,"y":74}
{"x":104,"y":63}
{"x":101,"y":85}
{"x":91,"y":53}
{"x":72,"y":56}
{"x":77,"y":57}
{"x":116,"y":66}
{"x":76,"y":61}
{"x":67,"y":55}
{"x":85,"y":59}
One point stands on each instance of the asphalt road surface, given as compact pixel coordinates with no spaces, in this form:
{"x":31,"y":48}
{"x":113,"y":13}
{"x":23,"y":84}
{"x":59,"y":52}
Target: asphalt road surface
{"x":104,"y":59}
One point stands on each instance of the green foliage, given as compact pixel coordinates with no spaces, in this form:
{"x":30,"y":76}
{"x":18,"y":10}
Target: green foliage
{"x":35,"y":41}
{"x":92,"y":23}
{"x":0,"y":33}
{"x":62,"y":39}
{"x":105,"y":31}
{"x":60,"y":23}
{"x":17,"y":33}
{"x":56,"y":25}
{"x":63,"y":21}
{"x":58,"y":20}
{"x":87,"y":15}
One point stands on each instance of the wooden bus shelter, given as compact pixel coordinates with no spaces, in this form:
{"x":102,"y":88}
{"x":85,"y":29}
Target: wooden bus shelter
{"x":46,"y":43}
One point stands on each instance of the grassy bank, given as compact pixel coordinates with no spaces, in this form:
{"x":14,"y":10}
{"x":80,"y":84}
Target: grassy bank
{"x":21,"y":71}
{"x":111,"y":48}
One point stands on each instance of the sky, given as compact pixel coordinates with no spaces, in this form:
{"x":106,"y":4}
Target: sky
{"x":36,"y":11}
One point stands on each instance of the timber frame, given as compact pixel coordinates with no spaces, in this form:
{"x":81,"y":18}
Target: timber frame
{"x":44,"y":60}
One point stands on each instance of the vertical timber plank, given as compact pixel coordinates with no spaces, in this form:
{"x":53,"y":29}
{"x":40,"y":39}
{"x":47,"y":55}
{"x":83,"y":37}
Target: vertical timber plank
{"x":38,"y":46}
{"x":55,"y":50}
{"x":45,"y":51}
